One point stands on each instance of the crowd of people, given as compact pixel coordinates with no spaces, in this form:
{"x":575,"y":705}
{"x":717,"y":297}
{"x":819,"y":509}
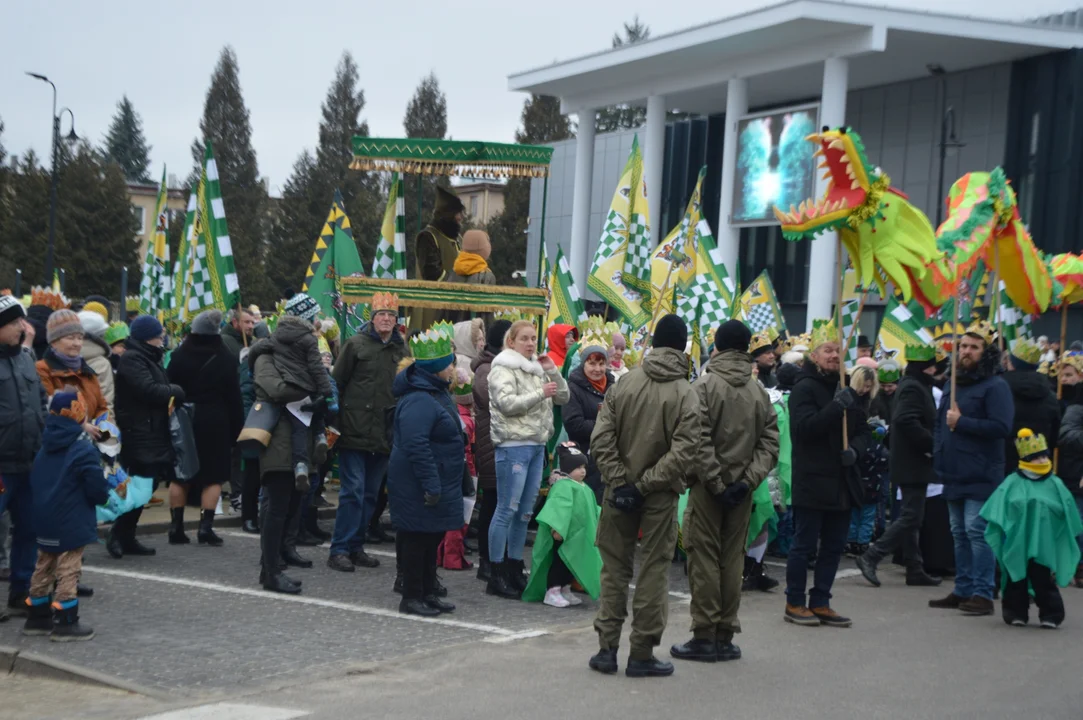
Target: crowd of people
{"x":466,"y":431}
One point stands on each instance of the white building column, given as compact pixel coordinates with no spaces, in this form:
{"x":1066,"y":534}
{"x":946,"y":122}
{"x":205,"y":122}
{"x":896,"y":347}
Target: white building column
{"x":729,"y":236}
{"x":584,"y":177}
{"x":654,"y":158}
{"x":823,"y":280}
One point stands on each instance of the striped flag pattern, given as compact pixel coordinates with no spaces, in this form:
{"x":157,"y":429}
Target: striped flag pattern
{"x":758,"y":306}
{"x":182,"y":278}
{"x":1014,"y":322}
{"x":565,"y":302}
{"x":155,"y":289}
{"x":899,"y":328}
{"x":390,"y":260}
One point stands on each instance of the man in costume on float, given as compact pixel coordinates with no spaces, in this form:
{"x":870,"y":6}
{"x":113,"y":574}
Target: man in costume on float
{"x":436,"y":248}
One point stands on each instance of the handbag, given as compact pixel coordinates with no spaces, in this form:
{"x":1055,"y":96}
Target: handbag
{"x":186,"y":465}
{"x":258,"y":426}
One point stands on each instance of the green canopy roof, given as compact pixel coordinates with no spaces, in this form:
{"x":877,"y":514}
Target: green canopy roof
{"x":450,"y":157}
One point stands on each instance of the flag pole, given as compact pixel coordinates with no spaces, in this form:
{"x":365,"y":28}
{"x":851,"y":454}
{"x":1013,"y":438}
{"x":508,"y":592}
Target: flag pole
{"x":838,"y":330}
{"x":997,"y":317}
{"x":954,"y":349}
{"x":857,"y":319}
{"x":1060,"y":385}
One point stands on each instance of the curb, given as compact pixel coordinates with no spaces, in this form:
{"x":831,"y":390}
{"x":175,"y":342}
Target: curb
{"x":27,"y":664}
{"x":222,"y":521}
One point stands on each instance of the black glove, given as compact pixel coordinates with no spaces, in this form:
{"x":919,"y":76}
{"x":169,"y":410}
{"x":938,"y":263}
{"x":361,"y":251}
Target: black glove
{"x":626,"y":498}
{"x":849,"y":457}
{"x":735,"y":494}
{"x":431,"y":500}
{"x":846,"y":397}
{"x":317,"y":405}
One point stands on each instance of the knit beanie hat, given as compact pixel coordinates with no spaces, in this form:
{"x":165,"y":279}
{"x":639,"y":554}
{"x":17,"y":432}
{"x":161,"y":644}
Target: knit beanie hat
{"x":303,"y":306}
{"x":208,"y":322}
{"x":146,"y":327}
{"x":494,"y":338}
{"x":786,"y":375}
{"x":477,"y":242}
{"x":435,"y":365}
{"x":670,"y":332}
{"x":69,"y":405}
{"x":117,"y":332}
{"x":732,"y":335}
{"x":10,"y":310}
{"x":62,"y":323}
{"x":92,"y":323}
{"x":98,"y":309}
{"x":570,"y":457}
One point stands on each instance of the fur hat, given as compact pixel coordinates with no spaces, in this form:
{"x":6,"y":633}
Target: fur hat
{"x":208,"y":322}
{"x":92,"y":323}
{"x":670,"y":332}
{"x":62,"y":323}
{"x":733,"y":335}
{"x":477,"y":242}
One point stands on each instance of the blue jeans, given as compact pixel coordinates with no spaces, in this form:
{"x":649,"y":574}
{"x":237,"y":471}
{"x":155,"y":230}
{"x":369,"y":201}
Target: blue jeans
{"x":862,"y":523}
{"x":518,"y":478}
{"x":360,"y":474}
{"x":18,"y":500}
{"x":812,"y":527}
{"x":975,"y":567}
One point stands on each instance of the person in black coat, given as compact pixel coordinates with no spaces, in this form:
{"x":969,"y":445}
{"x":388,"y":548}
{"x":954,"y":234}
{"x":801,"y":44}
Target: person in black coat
{"x":587,"y":385}
{"x":144,"y":398}
{"x":484,"y":451}
{"x":825,"y":481}
{"x":204,"y":367}
{"x":910,"y":466}
{"x":1036,"y":405}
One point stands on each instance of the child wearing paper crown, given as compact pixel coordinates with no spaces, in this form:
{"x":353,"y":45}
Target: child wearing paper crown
{"x":1032,"y":527}
{"x":68,"y":484}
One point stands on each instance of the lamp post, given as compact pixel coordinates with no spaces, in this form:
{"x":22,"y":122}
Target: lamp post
{"x":947,"y":140}
{"x":71,"y":138}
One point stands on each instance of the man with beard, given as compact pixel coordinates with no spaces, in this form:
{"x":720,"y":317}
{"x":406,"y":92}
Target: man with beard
{"x":969,"y":458}
{"x":436,"y":248}
{"x":825,"y":476}
{"x":1036,"y":406}
{"x":763,"y":352}
{"x":910,"y":465}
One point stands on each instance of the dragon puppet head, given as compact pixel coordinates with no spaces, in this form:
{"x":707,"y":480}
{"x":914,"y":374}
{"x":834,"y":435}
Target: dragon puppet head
{"x":887,"y":238}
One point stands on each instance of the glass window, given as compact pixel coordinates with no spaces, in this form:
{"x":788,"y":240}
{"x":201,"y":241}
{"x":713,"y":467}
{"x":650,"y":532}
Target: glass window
{"x":140,"y":220}
{"x":473,"y":205}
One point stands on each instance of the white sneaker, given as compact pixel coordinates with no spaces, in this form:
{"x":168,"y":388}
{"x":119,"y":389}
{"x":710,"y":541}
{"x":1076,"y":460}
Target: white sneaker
{"x":571,"y":597}
{"x":554,"y":598}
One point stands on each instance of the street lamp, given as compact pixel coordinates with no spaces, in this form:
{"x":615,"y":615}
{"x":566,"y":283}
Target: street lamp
{"x":947,"y":140}
{"x":71,"y":137}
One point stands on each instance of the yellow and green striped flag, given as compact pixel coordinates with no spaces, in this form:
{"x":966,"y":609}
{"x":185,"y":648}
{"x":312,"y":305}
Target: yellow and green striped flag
{"x":155,"y":289}
{"x":390,"y":260}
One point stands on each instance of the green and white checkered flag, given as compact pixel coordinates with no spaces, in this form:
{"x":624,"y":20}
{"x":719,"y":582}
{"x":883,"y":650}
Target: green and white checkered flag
{"x":1015,"y":323}
{"x":182,"y":268}
{"x":565,"y":302}
{"x":213,"y":276}
{"x":155,"y":289}
{"x":703,"y":305}
{"x":390,"y":260}
{"x":849,"y":330}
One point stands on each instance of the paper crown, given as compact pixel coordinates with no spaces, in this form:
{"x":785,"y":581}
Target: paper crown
{"x":49,"y":298}
{"x":1046,"y":368}
{"x":132,"y":304}
{"x":511,"y":316}
{"x":984,"y":330}
{"x":1027,"y":350}
{"x":385,"y":302}
{"x":632,"y":357}
{"x":595,"y":337}
{"x":1028,"y":444}
{"x":760,"y":341}
{"x":445,"y":328}
{"x":432,"y":344}
{"x":772,"y":333}
{"x":823,"y":331}
{"x":1072,"y":359}
{"x":794,"y":341}
{"x":919,"y":353}
{"x":593,"y":323}
{"x":889,"y":371}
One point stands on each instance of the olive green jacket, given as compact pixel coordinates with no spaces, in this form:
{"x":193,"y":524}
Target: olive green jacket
{"x":364,"y":372}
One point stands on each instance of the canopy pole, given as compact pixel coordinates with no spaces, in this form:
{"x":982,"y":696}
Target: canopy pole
{"x":838,"y":330}
{"x":420,"y":198}
{"x":541,"y":232}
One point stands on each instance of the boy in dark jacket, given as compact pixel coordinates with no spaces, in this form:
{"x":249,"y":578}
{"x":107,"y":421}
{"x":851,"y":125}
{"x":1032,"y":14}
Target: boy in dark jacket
{"x":1035,"y":401}
{"x":68,"y":484}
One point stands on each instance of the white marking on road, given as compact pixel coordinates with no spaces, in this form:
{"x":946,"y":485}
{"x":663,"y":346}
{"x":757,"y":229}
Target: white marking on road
{"x":516,"y":636}
{"x":318,"y":602}
{"x":229,"y":711}
{"x":380,"y":553}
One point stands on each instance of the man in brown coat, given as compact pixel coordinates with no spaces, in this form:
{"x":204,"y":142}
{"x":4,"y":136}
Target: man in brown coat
{"x":742,"y":431}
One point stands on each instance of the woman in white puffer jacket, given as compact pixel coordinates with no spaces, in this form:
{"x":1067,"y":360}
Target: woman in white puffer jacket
{"x":522,"y":391}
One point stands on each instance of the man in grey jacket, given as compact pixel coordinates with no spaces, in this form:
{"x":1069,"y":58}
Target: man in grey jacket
{"x":22,"y":405}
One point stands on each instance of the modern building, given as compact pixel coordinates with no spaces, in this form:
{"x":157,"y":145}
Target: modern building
{"x":932,"y":94}
{"x":143,"y":197}
{"x":484,"y":199}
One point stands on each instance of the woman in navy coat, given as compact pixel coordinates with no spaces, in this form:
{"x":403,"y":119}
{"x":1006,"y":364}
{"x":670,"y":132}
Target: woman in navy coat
{"x":424,"y":479}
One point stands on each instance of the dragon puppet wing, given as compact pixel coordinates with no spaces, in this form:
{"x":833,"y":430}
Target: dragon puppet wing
{"x":1066,"y":270}
{"x":888,"y":239}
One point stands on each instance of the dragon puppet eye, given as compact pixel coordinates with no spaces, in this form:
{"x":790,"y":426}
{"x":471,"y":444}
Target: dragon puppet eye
{"x":843,"y":129}
{"x":826,"y":128}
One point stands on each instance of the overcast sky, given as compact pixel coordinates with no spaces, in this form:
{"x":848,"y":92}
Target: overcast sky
{"x":161,"y":55}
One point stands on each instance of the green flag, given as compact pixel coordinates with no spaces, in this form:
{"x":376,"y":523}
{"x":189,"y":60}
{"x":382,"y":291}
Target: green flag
{"x":565,"y":303}
{"x":155,"y":290}
{"x":390,"y":260}
{"x":182,"y":270}
{"x":335,"y":257}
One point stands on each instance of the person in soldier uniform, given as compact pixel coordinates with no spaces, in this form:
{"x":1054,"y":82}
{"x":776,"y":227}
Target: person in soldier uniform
{"x":436,"y":248}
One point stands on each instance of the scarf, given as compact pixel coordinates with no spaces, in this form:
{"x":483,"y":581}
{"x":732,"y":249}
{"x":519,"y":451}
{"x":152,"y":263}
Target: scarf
{"x":599,"y":385}
{"x":1038,"y":469}
{"x":75,"y":364}
{"x":469,"y":263}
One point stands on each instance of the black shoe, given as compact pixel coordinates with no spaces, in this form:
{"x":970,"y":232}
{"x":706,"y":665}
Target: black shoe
{"x":648,"y":668}
{"x":765,"y":583}
{"x":920,"y":578}
{"x":294,"y":560}
{"x":697,"y":650}
{"x":438,"y":588}
{"x":66,"y":627}
{"x":417,"y":607}
{"x":17,"y":606}
{"x":483,"y":568}
{"x":516,"y":572}
{"x":39,"y":619}
{"x":867,"y":566}
{"x":605,"y":661}
{"x":286,"y":578}
{"x":251,"y":527}
{"x":340,"y":562}
{"x":397,"y":587}
{"x":82,"y":590}
{"x":362,"y":559}
{"x":206,"y":534}
{"x":728,"y":651}
{"x":178,"y":538}
{"x":113,"y":545}
{"x":499,"y":585}
{"x":280,"y":583}
{"x":438,"y":604}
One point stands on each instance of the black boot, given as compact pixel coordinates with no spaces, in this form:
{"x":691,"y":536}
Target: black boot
{"x":39,"y":619}
{"x":206,"y":535}
{"x":176,"y":531}
{"x":499,"y":584}
{"x":113,"y":545}
{"x":251,"y":527}
{"x":867,"y":565}
{"x":919,"y":578}
{"x":483,"y":568}
{"x":758,"y":579}
{"x":652,"y":667}
{"x":417,"y":607}
{"x":307,"y":539}
{"x":134,"y":547}
{"x":698,"y":649}
{"x":294,"y":560}
{"x":17,"y":606}
{"x":516,"y":574}
{"x":605,"y":661}
{"x":438,"y":588}
{"x":67,"y":628}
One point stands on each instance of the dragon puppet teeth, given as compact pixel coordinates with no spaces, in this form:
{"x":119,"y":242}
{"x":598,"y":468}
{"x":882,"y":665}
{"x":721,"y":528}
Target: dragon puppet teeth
{"x":855,"y":184}
{"x":836,"y":144}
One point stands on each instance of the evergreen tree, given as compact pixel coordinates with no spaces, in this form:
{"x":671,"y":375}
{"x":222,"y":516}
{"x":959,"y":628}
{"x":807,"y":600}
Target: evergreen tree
{"x":226,"y":124}
{"x":426,"y":117}
{"x":307,"y":194}
{"x":125,"y":144}
{"x":27,"y":231}
{"x":621,"y":117}
{"x":7,"y":257}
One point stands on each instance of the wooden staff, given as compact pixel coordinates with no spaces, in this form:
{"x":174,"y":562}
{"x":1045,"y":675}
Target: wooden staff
{"x":996,"y":298}
{"x":838,"y":329}
{"x":1060,"y":385}
{"x":857,"y":319}
{"x":954,"y":350}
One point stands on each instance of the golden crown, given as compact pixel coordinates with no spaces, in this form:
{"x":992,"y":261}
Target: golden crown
{"x":1027,"y":443}
{"x":823,"y":331}
{"x":759,"y":341}
{"x":983,"y":329}
{"x":1072,"y":359}
{"x":1046,"y":368}
{"x":1027,"y":350}
{"x":385,"y":301}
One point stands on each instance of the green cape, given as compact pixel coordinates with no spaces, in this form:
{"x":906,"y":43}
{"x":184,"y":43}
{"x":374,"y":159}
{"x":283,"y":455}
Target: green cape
{"x":572,"y":511}
{"x":1033,"y":520}
{"x":782,"y":410}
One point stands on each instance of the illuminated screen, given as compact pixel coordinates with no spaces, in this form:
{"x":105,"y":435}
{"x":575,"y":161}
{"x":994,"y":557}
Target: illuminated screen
{"x":774,"y":163}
